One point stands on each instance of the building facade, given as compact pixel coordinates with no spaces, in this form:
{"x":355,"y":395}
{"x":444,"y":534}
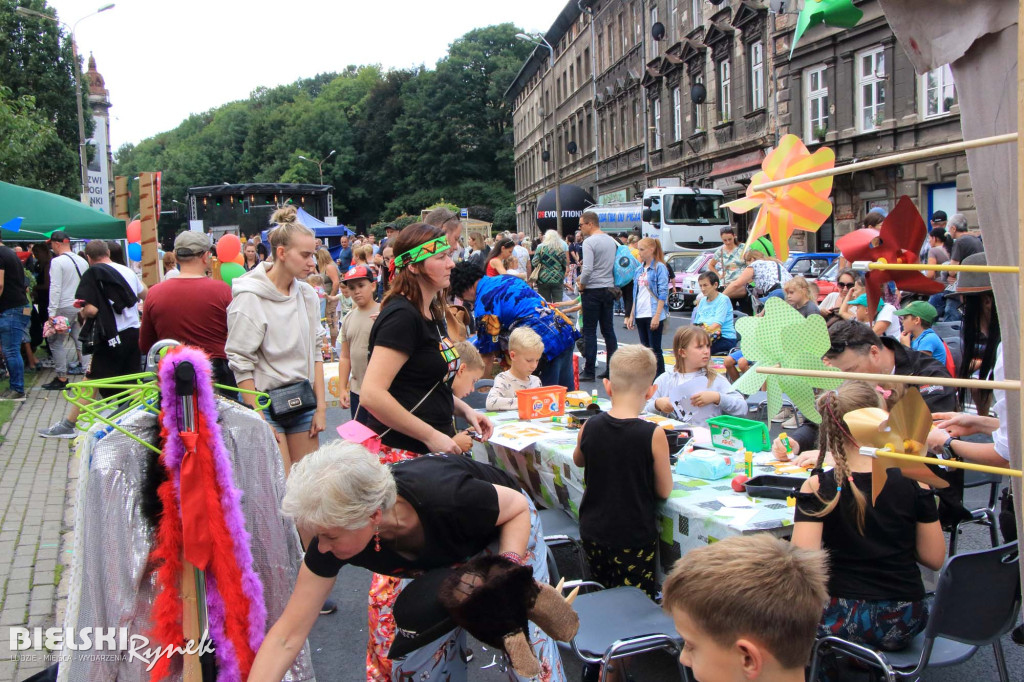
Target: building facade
{"x":705,"y":102}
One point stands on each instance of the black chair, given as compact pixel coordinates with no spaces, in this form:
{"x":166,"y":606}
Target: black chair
{"x":477,"y":400}
{"x":987,"y":516}
{"x":976,"y":602}
{"x":563,"y":531}
{"x":955,"y":345}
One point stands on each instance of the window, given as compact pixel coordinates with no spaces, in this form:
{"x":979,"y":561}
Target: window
{"x":816,"y":103}
{"x":623,"y":32}
{"x":638,"y":30}
{"x":611,"y":131}
{"x":695,"y":13}
{"x":558,"y":87}
{"x":624,"y":123}
{"x":756,"y":75}
{"x":656,"y":123}
{"x":870,"y":88}
{"x":939,"y":93}
{"x":673,"y":20}
{"x":638,"y":132}
{"x":698,"y":109}
{"x":677,"y":115}
{"x":572,"y":79}
{"x":724,"y":91}
{"x":590,"y":132}
{"x":586,"y":65}
{"x":604,"y":138}
{"x":600,"y":52}
{"x":579,"y":74}
{"x":651,"y":44}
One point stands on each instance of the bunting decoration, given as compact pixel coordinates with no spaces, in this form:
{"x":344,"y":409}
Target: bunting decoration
{"x":838,"y":13}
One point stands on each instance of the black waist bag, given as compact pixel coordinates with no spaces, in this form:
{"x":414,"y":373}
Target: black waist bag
{"x":292,"y":400}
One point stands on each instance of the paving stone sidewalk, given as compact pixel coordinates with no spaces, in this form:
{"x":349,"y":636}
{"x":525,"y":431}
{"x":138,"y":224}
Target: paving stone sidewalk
{"x":37,"y":478}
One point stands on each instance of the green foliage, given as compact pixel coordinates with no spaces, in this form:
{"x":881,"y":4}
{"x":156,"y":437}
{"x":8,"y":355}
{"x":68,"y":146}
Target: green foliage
{"x":504,"y":219}
{"x":31,"y":152}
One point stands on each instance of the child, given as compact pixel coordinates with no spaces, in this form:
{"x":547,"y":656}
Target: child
{"x":884,"y":322}
{"x":917,"y":319}
{"x":875,"y":589}
{"x":471,"y":369}
{"x":747,"y":608}
{"x":714,"y":313}
{"x":317,"y":282}
{"x":525,"y":349}
{"x":626,"y":473}
{"x":692,"y":349}
{"x":798,"y":295}
{"x":354,"y":340}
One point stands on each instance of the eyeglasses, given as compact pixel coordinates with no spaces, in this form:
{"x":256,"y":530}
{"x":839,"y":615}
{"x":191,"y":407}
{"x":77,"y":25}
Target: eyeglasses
{"x":845,"y":285}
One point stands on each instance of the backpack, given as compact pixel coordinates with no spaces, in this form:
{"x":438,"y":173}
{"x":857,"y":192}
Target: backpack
{"x":625,"y":266}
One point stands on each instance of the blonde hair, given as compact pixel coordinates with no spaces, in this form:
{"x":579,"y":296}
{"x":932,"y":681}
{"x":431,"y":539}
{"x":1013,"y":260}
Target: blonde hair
{"x":632,"y":369}
{"x":798,"y":282}
{"x":524,"y":339}
{"x":713,"y":585}
{"x":469,"y":355}
{"x":338,"y":485}
{"x":286,"y":219}
{"x":364,"y":252}
{"x":315,"y":280}
{"x":323,"y":260}
{"x":659,"y":254}
{"x":683,"y":338}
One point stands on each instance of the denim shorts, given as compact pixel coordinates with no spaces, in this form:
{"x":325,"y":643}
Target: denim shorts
{"x":295,"y":425}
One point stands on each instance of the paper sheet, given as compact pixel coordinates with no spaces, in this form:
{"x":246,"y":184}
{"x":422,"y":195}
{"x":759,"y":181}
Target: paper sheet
{"x":734,"y":501}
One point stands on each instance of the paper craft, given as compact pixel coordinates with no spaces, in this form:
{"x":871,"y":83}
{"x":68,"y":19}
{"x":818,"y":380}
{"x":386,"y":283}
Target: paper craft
{"x":899,"y":240}
{"x":838,"y":13}
{"x":738,"y":515}
{"x":785,"y":338}
{"x":521,"y":436}
{"x":783,"y":210}
{"x":682,"y":408}
{"x":904,"y":429}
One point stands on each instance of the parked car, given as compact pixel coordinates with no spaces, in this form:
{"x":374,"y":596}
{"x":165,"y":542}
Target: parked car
{"x":826,"y":281}
{"x":685,"y":288}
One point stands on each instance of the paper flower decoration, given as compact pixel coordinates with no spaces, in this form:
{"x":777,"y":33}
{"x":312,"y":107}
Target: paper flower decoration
{"x":899,"y":240}
{"x":904,"y":429}
{"x":800,"y":206}
{"x":838,"y":13}
{"x":785,"y":338}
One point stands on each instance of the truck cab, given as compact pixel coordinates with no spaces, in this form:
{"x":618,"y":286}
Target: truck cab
{"x":684,"y":218}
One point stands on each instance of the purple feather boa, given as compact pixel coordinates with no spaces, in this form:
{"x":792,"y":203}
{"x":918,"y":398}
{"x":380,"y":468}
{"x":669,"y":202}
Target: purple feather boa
{"x":230,"y":501}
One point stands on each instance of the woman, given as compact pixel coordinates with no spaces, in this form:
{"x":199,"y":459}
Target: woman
{"x":501,"y":252}
{"x":400,"y":520}
{"x":845,"y":284}
{"x":940,"y":245}
{"x":251,"y":257}
{"x":550,"y":263}
{"x":170,"y":266}
{"x":275,"y":335}
{"x":650,"y":297}
{"x":326,"y":268}
{"x":728,"y":259}
{"x":979,"y":331}
{"x":764,"y":272}
{"x":478,"y":250}
{"x":715,"y":314}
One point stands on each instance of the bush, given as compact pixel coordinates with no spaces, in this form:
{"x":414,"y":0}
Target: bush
{"x":504,"y":219}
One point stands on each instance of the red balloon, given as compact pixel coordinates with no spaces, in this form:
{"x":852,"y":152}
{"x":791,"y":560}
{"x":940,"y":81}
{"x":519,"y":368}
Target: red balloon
{"x":135,"y":231}
{"x":228,"y":247}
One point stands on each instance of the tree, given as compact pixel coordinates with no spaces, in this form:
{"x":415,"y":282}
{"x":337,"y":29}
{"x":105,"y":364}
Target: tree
{"x":31,"y":152}
{"x":504,"y":219}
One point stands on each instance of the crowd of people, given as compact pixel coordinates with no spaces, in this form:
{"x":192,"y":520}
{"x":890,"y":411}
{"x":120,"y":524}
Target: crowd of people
{"x":417,"y":319}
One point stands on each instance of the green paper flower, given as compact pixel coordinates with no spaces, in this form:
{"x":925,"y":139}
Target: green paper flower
{"x":839,"y":13}
{"x":785,"y":338}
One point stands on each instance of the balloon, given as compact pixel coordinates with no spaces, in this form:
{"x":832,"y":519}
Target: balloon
{"x":135,"y":251}
{"x":240,"y":259}
{"x":228,"y":271}
{"x":134,"y":232}
{"x":228,"y":247}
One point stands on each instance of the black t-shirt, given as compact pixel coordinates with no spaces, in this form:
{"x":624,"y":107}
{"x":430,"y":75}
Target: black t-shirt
{"x":13,"y":295}
{"x":457,"y":504}
{"x":619,"y":506}
{"x":965,"y":246}
{"x":881,"y":563}
{"x":403,"y":328}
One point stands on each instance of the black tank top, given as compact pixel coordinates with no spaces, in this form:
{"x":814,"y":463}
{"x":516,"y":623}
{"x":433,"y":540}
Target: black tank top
{"x":619,"y":505}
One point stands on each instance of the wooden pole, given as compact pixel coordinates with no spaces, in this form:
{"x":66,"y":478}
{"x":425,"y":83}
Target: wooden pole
{"x":121,"y":198}
{"x":148,"y":217}
{"x":862,"y":265}
{"x":969,"y":466}
{"x":1018,"y":491}
{"x":192,"y":670}
{"x":1006,"y":385}
{"x":890,"y":159}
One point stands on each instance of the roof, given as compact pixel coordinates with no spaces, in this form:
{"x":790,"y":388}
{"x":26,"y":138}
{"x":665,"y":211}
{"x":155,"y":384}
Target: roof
{"x":259,"y":188}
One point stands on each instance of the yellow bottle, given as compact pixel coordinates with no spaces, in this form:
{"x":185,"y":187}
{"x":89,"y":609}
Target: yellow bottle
{"x":748,"y":464}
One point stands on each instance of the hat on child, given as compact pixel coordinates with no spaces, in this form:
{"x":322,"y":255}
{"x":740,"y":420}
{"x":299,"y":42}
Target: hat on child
{"x":923,"y":309}
{"x":357,"y":272}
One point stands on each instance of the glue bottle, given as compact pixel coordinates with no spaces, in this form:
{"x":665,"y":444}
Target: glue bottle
{"x":593,"y":397}
{"x":748,"y":464}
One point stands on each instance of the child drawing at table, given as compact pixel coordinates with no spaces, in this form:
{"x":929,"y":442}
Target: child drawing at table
{"x":677,"y":393}
{"x":525,"y":349}
{"x":471,"y":369}
{"x":626,"y":472}
{"x":876,"y":594}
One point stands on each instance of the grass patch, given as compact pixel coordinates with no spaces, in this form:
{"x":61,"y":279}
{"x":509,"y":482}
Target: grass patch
{"x":57,"y":573}
{"x":7,"y":407}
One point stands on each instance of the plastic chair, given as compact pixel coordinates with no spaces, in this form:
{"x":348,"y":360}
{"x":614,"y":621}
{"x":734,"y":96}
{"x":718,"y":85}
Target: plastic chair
{"x":947,"y":330}
{"x":976,"y":602}
{"x":955,"y":345}
{"x":988,"y":516}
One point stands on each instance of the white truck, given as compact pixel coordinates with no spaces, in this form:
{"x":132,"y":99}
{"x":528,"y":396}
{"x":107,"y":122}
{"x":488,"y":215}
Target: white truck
{"x":683,"y":218}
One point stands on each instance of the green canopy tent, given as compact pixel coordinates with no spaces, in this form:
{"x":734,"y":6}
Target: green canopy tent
{"x":43,"y":213}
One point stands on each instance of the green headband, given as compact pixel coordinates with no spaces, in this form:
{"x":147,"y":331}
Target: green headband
{"x":422,"y":251}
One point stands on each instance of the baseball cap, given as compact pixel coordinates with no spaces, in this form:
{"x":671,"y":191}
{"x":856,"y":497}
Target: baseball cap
{"x":357,"y":272}
{"x":862,"y":300}
{"x":923,"y":309}
{"x":59,"y":236}
{"x":938,"y":215}
{"x":390,"y":227}
{"x":190,"y":243}
{"x":419,"y":616}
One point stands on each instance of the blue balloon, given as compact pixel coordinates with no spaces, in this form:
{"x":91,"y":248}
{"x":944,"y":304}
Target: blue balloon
{"x":135,"y":251}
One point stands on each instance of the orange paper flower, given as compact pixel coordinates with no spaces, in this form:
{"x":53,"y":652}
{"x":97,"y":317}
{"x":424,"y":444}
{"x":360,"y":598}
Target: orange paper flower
{"x":800,"y":206}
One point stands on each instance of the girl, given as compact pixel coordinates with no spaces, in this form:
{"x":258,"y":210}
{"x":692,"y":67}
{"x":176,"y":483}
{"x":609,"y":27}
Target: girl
{"x":884,"y":322}
{"x":692,"y":349}
{"x":877,"y":597}
{"x":650,"y":296}
{"x":714,"y":313}
{"x":252,"y":258}
{"x":798,"y":295}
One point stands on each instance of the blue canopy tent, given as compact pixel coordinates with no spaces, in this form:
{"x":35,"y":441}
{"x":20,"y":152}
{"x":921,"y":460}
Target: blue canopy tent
{"x":320,"y":229}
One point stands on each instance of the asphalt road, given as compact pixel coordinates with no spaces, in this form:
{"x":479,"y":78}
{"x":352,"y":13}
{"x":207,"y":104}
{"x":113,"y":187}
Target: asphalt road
{"x":338,"y":641}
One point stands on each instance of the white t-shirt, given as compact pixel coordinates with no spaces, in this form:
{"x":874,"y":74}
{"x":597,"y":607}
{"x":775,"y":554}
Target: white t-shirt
{"x":888,"y":314}
{"x":1001,"y":437}
{"x":171,"y":274}
{"x":129,"y":317}
{"x":644,"y":307}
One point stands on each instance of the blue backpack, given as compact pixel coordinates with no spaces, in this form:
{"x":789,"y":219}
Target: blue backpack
{"x":625,"y":266}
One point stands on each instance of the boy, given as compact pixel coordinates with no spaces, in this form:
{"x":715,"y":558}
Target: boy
{"x":471,"y":369}
{"x":917,"y":319}
{"x":354,"y":341}
{"x":747,"y":608}
{"x":798,"y":295}
{"x":626,"y":472}
{"x":525,"y":349}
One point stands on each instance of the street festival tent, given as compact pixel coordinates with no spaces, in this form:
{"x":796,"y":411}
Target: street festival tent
{"x":320,"y":229}
{"x":41,"y":213}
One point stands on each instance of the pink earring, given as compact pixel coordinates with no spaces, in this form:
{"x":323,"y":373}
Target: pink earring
{"x":376,"y":539}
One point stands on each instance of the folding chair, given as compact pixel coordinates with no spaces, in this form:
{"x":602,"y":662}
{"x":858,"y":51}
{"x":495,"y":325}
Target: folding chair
{"x":987,"y":516}
{"x":976,"y":603}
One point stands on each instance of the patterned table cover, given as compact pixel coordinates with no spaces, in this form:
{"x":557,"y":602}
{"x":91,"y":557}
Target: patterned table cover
{"x":692,"y":516}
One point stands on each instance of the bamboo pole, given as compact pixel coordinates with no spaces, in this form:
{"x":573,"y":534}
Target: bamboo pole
{"x":862,"y":265}
{"x":882,"y":161}
{"x":1018,"y":492}
{"x":1006,"y":385}
{"x":969,"y":466}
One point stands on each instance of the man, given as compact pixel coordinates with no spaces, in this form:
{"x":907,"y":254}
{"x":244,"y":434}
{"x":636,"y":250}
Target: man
{"x":15,"y":314}
{"x":964,"y":245}
{"x":448,"y":221}
{"x":597,"y":287}
{"x":345,"y":257}
{"x":191,"y":308}
{"x":318,"y":244}
{"x":390,"y":232}
{"x":66,"y":270}
{"x":372,"y":239}
{"x":111,"y":293}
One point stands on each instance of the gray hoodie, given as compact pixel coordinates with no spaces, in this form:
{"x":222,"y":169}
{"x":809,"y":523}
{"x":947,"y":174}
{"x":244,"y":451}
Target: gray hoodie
{"x":273,"y":338}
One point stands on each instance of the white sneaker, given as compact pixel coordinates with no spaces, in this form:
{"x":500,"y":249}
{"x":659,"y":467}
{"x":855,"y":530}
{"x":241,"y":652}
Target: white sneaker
{"x":784,"y":414}
{"x":790,"y":423}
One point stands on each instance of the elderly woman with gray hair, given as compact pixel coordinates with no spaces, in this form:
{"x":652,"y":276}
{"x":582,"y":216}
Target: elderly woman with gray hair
{"x":550,"y":262}
{"x":401,"y":520}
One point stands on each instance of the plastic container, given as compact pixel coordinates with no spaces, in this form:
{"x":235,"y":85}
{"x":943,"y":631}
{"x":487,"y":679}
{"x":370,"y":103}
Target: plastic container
{"x":774,"y":487}
{"x":704,"y":464}
{"x":736,"y":434}
{"x":546,"y":401}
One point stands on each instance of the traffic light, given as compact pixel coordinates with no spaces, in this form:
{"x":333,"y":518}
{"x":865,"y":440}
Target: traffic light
{"x":245,"y":206}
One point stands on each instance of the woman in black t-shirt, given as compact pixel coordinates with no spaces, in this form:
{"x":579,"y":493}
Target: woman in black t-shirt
{"x":401,"y":519}
{"x":876,"y":594}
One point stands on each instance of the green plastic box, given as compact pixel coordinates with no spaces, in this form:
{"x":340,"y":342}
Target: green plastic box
{"x":736,"y":434}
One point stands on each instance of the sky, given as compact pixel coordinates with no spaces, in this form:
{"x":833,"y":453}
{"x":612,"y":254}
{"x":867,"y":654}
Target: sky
{"x":165,"y":60}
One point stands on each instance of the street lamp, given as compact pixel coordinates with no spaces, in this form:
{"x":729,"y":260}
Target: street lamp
{"x":319,"y":164}
{"x":82,"y":157}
